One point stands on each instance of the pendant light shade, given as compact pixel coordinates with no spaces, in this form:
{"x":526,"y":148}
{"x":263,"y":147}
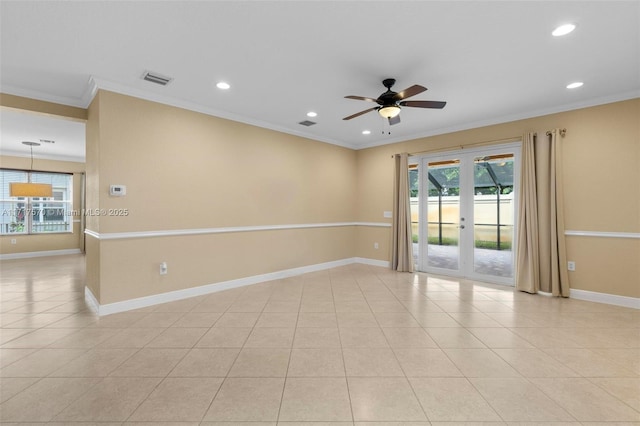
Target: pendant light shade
{"x":30,"y":189}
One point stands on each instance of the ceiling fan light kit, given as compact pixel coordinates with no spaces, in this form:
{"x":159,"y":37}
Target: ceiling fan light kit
{"x":390,"y":102}
{"x":389,"y":111}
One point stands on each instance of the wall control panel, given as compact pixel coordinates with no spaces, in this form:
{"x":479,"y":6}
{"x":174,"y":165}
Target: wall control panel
{"x":117,"y":190}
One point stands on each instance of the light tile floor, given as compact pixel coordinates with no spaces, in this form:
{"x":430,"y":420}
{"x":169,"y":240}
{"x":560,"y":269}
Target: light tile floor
{"x":350,"y":346}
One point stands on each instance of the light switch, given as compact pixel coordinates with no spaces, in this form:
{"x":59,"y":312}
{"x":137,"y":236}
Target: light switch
{"x":387,"y":214}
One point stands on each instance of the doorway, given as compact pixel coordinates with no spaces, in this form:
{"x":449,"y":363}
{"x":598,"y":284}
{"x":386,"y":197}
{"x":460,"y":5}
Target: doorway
{"x":466,"y":211}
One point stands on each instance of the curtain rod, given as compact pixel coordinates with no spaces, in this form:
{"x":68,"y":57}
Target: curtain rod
{"x":488,"y":142}
{"x":562,"y":132}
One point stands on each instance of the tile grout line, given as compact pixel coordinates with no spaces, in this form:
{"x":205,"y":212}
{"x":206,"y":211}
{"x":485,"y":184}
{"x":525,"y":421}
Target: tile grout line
{"x":286,"y":374}
{"x":344,"y":363}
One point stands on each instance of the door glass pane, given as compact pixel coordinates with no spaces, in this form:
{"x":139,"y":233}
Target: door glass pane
{"x":443,"y":214}
{"x":415,"y":212}
{"x":493,"y":213}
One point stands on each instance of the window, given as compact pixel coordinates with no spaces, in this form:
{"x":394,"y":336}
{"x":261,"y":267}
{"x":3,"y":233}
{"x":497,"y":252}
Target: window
{"x":34,"y":215}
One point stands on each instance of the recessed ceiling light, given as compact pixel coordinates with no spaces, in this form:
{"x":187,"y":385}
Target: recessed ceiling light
{"x":366,"y":132}
{"x":575,"y":85}
{"x":312,"y":114}
{"x":222,"y":85}
{"x":563,"y":30}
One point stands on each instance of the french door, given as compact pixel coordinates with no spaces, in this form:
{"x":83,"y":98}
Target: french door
{"x":467,"y":211}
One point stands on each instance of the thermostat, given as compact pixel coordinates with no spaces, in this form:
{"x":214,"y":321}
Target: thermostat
{"x":117,"y":190}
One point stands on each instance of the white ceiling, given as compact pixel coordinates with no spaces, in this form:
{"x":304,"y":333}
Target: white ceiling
{"x":492,"y":61}
{"x":67,"y":136}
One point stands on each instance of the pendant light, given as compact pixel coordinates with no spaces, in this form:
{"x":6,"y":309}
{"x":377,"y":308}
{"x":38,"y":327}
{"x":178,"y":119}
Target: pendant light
{"x":30,"y":189}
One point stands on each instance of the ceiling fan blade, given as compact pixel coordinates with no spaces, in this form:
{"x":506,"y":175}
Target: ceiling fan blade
{"x":362,"y":98}
{"x":423,"y":104}
{"x":394,"y":120}
{"x":408,"y":92}
{"x":358,"y":114}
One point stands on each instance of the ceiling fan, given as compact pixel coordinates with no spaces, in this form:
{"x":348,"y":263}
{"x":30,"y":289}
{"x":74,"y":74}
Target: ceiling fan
{"x":390,"y":102}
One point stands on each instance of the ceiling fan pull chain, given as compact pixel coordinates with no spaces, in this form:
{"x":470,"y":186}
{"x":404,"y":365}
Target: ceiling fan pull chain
{"x":385,"y":125}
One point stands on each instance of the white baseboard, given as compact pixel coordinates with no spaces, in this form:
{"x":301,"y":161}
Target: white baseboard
{"x":172,"y":296}
{"x":610,"y":299}
{"x":372,"y":262}
{"x":31,"y":254}
{"x":91,"y":300}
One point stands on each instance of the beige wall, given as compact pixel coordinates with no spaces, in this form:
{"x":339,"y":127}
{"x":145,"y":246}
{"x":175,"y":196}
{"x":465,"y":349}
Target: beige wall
{"x":129,"y":267}
{"x":186,"y":170}
{"x":46,"y":242}
{"x":601,"y":181}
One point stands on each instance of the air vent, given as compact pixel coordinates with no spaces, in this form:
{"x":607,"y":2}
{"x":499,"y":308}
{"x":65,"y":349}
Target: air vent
{"x":154,"y":77}
{"x":307,"y":123}
{"x":47,"y":141}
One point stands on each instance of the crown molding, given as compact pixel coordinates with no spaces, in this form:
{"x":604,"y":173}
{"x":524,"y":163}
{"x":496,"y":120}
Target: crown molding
{"x":71,"y":158}
{"x":98,"y":83}
{"x":95,"y":83}
{"x":42,"y":96}
{"x":625,"y":96}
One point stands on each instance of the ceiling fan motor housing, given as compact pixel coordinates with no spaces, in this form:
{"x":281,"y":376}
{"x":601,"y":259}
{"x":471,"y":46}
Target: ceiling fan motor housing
{"x":387,"y":99}
{"x":388,"y":82}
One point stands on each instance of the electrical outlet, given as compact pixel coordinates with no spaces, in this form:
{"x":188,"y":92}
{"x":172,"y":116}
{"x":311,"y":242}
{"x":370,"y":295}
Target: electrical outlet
{"x":571,"y":265}
{"x":376,"y":246}
{"x":14,"y":241}
{"x":163,"y":268}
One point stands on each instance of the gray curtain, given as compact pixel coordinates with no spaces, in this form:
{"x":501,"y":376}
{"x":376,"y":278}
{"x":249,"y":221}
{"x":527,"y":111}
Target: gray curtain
{"x":541,"y":257}
{"x":401,"y":244}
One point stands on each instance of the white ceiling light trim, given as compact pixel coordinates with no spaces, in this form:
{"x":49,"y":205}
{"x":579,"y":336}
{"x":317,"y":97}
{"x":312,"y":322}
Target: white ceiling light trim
{"x":223,"y":85}
{"x":575,"y":85}
{"x":563,"y":30}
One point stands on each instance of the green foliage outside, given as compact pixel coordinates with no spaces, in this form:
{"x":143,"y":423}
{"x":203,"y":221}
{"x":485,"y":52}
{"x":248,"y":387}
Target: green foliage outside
{"x":16,"y":227}
{"x":413,"y":182}
{"x":491,"y":245}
